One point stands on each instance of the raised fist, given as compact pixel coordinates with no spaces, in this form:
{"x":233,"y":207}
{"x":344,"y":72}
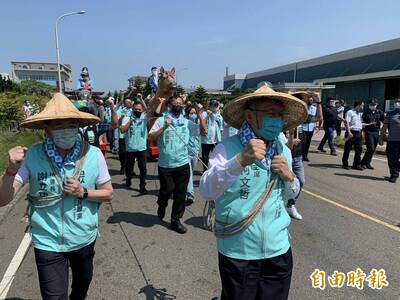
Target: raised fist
{"x":255,"y":150}
{"x":16,"y":156}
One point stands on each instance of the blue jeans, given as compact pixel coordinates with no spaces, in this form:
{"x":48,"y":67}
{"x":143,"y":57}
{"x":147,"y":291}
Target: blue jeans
{"x":298,"y":170}
{"x":328,"y":136}
{"x":192,"y":164}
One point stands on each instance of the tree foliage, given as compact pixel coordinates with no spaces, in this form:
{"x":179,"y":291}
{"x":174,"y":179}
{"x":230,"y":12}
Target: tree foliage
{"x":199,"y":95}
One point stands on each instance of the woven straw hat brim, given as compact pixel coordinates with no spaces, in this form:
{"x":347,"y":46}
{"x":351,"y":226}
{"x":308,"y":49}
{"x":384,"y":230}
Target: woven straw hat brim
{"x":295,"y":112}
{"x":59,"y":108}
{"x":302,"y":94}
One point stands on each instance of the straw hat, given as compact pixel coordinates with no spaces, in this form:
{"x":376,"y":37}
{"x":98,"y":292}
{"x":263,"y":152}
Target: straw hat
{"x":295,"y":111}
{"x":59,"y":108}
{"x":303,"y":95}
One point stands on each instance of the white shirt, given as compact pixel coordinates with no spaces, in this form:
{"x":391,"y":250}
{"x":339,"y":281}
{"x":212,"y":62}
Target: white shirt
{"x":23,"y":173}
{"x":222,"y":173}
{"x":353,"y":119}
{"x":312,"y":111}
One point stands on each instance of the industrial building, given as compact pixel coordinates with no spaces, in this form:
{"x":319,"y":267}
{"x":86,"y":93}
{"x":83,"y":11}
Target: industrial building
{"x":41,"y":71}
{"x":362,"y":73}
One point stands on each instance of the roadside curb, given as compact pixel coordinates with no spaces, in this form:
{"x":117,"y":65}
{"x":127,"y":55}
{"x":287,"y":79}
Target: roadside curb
{"x":4,"y":211}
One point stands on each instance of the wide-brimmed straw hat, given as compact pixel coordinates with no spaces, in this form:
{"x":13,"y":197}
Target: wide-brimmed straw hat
{"x":59,"y":108}
{"x":294,"y":114}
{"x":303,"y":95}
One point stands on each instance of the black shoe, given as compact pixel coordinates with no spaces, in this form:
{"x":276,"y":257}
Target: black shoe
{"x":370,"y":167}
{"x":177,"y":226}
{"x":143,"y":191}
{"x":306,"y":159}
{"x":357,"y":168}
{"x":189,"y":201}
{"x":346,"y":167}
{"x":322,"y":150}
{"x":392,"y":179}
{"x":161,"y":212}
{"x":333,"y":153}
{"x":122,"y":171}
{"x":128,"y":182}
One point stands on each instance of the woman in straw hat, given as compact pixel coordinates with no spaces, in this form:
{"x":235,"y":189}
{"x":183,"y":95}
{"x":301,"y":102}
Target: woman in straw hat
{"x":68,"y":179}
{"x":248,"y":176}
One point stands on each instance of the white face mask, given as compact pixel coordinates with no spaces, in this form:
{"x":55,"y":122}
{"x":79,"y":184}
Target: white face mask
{"x":64,"y":138}
{"x":372,"y":107}
{"x":397,"y":105}
{"x":154,"y":73}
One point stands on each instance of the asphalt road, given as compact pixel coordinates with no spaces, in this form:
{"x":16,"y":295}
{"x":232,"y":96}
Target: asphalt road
{"x":350,"y":222}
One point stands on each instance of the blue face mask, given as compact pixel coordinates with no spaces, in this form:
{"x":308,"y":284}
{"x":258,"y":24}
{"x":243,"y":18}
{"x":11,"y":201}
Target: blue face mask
{"x":271,"y":128}
{"x":65,"y":138}
{"x":193,"y":118}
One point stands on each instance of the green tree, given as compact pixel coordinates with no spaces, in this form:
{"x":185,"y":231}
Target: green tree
{"x":37,"y":88}
{"x":140,"y":85}
{"x":180,"y":90}
{"x":200,"y":95}
{"x":115,"y":94}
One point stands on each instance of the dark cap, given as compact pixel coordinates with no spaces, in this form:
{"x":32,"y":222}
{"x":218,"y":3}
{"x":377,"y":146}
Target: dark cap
{"x":373,"y":102}
{"x":214,"y":102}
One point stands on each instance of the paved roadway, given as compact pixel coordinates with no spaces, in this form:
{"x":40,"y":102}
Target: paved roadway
{"x":138,"y":257}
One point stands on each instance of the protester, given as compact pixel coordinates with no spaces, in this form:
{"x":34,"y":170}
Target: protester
{"x":68,"y":179}
{"x":340,"y":111}
{"x":353,"y":136}
{"x":214,"y":122}
{"x":123,"y":111}
{"x":153,"y":80}
{"x":296,"y":143}
{"x":372,"y":119}
{"x":135,"y":129}
{"x":172,"y":132}
{"x":392,"y":125}
{"x":28,"y":109}
{"x":330,"y":116}
{"x":193,"y":148}
{"x":314,"y":120}
{"x":248,"y":177}
{"x":90,"y":133}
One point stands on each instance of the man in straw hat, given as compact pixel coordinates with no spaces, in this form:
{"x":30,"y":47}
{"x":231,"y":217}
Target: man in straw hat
{"x":248,"y":176}
{"x":68,"y":179}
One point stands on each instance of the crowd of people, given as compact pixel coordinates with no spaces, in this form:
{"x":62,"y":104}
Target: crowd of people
{"x":252,"y":154}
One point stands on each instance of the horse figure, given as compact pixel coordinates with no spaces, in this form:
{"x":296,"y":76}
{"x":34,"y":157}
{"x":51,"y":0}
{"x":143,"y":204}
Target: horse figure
{"x":166,"y":89}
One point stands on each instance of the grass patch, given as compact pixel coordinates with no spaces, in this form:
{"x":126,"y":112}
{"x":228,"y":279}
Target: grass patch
{"x":9,"y":140}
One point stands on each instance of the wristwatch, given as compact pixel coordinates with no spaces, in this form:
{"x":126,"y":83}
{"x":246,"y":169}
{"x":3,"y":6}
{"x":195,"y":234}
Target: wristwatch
{"x":85,"y":194}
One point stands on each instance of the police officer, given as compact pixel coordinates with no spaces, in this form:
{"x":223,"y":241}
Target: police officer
{"x":372,"y":119}
{"x":392,"y":123}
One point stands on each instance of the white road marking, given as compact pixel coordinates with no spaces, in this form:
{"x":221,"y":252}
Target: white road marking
{"x":15,"y":263}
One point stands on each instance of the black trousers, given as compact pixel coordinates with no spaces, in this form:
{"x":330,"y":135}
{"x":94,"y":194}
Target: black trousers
{"x":307,"y":142}
{"x":338,"y":128}
{"x":173,"y":181}
{"x":263,"y":279}
{"x":141,"y":157}
{"x":356,"y":141}
{"x":371,"y":141}
{"x":122,"y":152}
{"x":393,"y":155}
{"x":53,"y":272}
{"x":205,"y":153}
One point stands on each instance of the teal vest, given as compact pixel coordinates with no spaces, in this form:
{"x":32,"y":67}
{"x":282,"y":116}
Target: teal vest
{"x":71,"y":223}
{"x":172,"y":145}
{"x":119,"y":114}
{"x":194,"y":145}
{"x":218,"y":126}
{"x":267,"y":236}
{"x":136,"y":136}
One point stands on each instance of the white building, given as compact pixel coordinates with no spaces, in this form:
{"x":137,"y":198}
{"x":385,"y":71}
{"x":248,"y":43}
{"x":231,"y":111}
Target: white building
{"x":41,"y":71}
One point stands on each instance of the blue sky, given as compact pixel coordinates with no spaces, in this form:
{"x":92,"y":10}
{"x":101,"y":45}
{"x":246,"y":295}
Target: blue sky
{"x":120,"y":38}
